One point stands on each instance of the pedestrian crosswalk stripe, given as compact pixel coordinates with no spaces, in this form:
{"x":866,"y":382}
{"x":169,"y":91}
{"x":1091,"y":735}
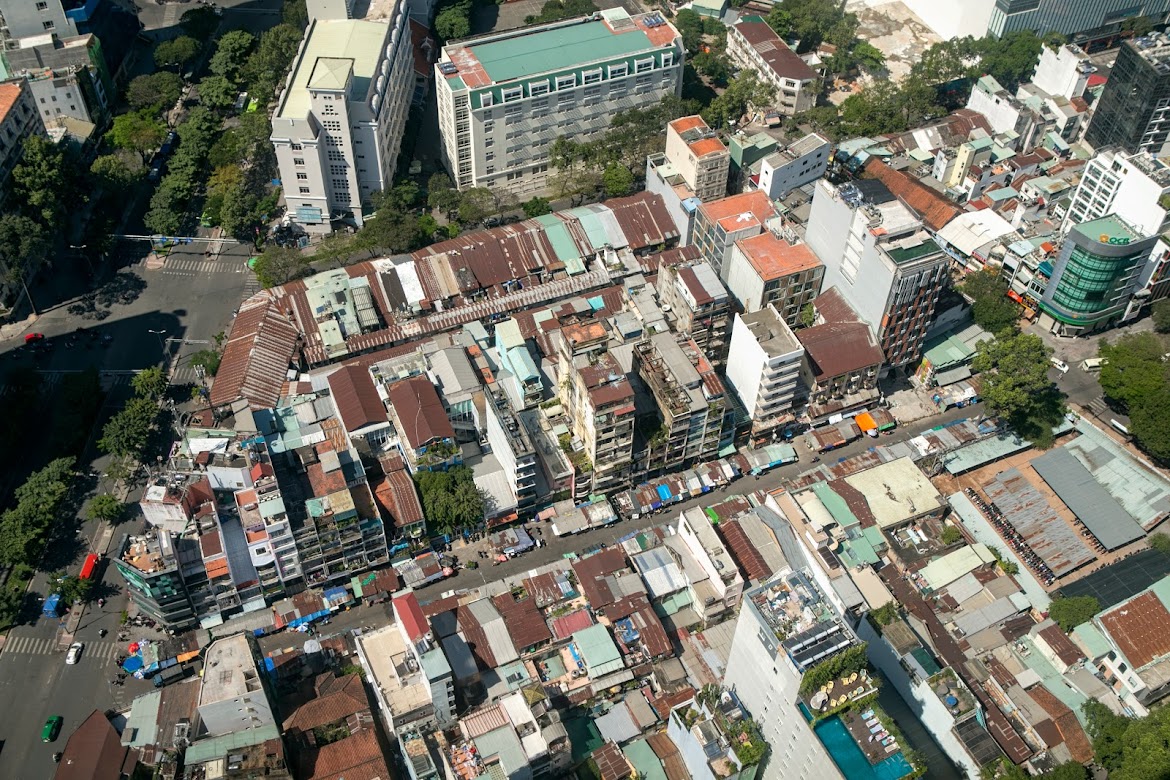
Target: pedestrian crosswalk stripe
{"x":31,"y":645}
{"x":191,"y":267}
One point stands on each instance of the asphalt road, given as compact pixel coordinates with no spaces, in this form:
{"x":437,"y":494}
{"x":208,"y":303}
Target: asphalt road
{"x":189,"y":300}
{"x":557,"y":547}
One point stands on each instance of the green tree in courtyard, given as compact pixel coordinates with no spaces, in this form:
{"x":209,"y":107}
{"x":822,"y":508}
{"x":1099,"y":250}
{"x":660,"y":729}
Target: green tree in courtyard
{"x":1016,"y":385}
{"x":1071,"y":611}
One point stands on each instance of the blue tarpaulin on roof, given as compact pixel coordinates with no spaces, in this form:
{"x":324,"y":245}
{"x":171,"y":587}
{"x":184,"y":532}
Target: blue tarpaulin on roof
{"x":596,"y":302}
{"x":664,"y":492}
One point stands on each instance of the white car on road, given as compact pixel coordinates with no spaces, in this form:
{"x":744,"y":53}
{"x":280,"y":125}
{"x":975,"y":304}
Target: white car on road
{"x":1059,"y":365}
{"x":74,"y":653}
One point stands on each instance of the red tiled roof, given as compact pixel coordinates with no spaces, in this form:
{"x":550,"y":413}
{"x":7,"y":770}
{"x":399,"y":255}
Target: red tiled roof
{"x":1096,"y":80}
{"x":664,"y":704}
{"x":397,"y":499}
{"x":523,"y":620}
{"x":357,"y":757}
{"x":933,"y":209}
{"x":356,"y":398}
{"x":410,"y":614}
{"x":682,"y":124}
{"x":9,"y":97}
{"x":783,"y":61}
{"x":336,"y":703}
{"x":566,"y":625}
{"x":591,"y":571}
{"x":93,"y":752}
{"x":262,"y":344}
{"x":1066,"y":723}
{"x":1139,"y":627}
{"x":755,"y":203}
{"x":611,"y":762}
{"x":420,"y":411}
{"x":667,"y":752}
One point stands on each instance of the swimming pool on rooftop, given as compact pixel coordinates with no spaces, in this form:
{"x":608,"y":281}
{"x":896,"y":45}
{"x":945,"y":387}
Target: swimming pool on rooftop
{"x":848,"y":756}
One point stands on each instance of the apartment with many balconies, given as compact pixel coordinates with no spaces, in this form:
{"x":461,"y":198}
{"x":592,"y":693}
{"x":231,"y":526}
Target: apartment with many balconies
{"x":505,"y":97}
{"x":690,"y":400}
{"x":763,"y":368}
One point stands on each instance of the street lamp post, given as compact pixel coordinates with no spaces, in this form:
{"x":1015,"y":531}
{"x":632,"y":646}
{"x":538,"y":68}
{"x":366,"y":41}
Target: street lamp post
{"x":161,"y":344}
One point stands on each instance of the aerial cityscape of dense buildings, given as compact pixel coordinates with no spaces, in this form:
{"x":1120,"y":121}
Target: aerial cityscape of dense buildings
{"x":580,"y":399}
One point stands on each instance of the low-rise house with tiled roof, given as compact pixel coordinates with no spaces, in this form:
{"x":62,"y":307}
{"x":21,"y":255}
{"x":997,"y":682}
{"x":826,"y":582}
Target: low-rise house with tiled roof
{"x":842,"y":359}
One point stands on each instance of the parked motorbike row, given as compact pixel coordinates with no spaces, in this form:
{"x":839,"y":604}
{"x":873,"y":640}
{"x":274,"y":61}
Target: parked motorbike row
{"x":1014,"y":537}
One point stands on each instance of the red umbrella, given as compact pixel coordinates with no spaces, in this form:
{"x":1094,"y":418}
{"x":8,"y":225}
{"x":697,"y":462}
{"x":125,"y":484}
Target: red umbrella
{"x":133,"y":647}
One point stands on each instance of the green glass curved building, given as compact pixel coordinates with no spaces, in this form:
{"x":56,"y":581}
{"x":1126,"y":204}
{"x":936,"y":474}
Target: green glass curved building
{"x":1094,"y":276}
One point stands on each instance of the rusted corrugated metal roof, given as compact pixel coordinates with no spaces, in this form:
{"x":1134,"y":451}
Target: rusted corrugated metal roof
{"x":261,"y":347}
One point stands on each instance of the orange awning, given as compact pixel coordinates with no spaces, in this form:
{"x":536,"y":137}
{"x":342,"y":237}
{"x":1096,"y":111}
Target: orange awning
{"x":865,"y":422}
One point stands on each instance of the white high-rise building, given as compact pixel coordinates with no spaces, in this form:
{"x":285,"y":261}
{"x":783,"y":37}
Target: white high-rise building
{"x":763,"y":367}
{"x":338,"y":128}
{"x":1063,"y":71}
{"x":785,"y":627}
{"x":504,"y":98}
{"x":1132,"y":186}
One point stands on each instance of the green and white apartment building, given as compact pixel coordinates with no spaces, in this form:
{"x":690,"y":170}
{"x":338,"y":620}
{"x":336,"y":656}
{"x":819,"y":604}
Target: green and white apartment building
{"x":504,"y":98}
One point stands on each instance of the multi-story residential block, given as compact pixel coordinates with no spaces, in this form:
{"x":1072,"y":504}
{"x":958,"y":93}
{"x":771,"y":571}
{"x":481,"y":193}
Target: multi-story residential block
{"x":768,"y":271}
{"x":68,"y":78}
{"x":512,"y":447}
{"x":842,"y":360}
{"x":882,"y":261}
{"x":18,"y":120}
{"x":698,"y":156}
{"x":690,"y":401}
{"x":518,"y":372}
{"x":719,"y":224}
{"x":1094,"y":276}
{"x":785,"y":628}
{"x":751,"y":43}
{"x":425,"y":434}
{"x":599,"y":402}
{"x":718,"y":594}
{"x":1133,"y":112}
{"x":338,"y":128}
{"x":1005,"y":113}
{"x":951,"y":166}
{"x":49,"y":24}
{"x":792,"y":166}
{"x":1063,"y":71}
{"x":505,"y":97}
{"x":1135,"y":187}
{"x":696,"y":305}
{"x":763,"y":367}
{"x":150,"y":566}
{"x":232,"y":696}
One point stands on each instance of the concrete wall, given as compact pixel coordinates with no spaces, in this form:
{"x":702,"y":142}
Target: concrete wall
{"x":743,"y":281}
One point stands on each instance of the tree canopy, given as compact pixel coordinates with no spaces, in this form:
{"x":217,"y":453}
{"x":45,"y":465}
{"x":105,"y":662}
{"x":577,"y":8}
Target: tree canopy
{"x":154,"y":92}
{"x":450,"y":498}
{"x":137,"y":132}
{"x":555,"y":10}
{"x":231,"y":52}
{"x":991,"y":309}
{"x":1136,"y":380}
{"x":278,"y":264}
{"x":1071,"y":611}
{"x":199,"y":23}
{"x":176,"y":53}
{"x":1130,"y":748}
{"x":1160,"y":311}
{"x":1016,"y":385}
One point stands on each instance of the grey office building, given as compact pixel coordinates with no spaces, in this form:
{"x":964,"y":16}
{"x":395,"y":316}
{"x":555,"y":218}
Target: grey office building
{"x":1134,"y":110}
{"x":1081,"y":20}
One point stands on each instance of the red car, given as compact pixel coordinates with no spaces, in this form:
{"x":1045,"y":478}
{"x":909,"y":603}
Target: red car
{"x":32,"y":338}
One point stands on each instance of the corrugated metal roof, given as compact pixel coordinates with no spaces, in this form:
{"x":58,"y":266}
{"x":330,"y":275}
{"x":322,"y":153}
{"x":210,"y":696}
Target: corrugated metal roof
{"x":1143,"y":493}
{"x":1093,"y":506}
{"x":1029,"y":512}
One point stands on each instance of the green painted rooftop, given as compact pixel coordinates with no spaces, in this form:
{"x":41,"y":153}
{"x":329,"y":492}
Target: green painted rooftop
{"x":1106,"y":228}
{"x":560,"y":48}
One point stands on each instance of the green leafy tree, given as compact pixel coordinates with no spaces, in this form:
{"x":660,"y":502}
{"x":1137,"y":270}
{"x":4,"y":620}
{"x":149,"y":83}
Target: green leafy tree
{"x":1161,"y":314}
{"x":1134,"y":371}
{"x":886,"y":614}
{"x":1149,"y":423}
{"x":441,"y":193}
{"x":155,"y":91}
{"x":536,"y":206}
{"x":1108,"y":731}
{"x":336,"y":248}
{"x":176,"y":53}
{"x":1012,"y":58}
{"x":1016,"y":385}
{"x":868,"y":57}
{"x":295,"y":14}
{"x":45,"y":183}
{"x":128,"y":433}
{"x":199,"y":23}
{"x":450,"y":498}
{"x":278,"y":265}
{"x":453,"y":23}
{"x":555,"y":10}
{"x":713,"y":66}
{"x":217,"y":92}
{"x":137,"y":132}
{"x":743,"y":92}
{"x":808,"y":315}
{"x":117,"y":172}
{"x":391,"y":231}
{"x":1160,"y":541}
{"x":617,"y":180}
{"x":951,"y":535}
{"x":266,"y":67}
{"x":46,"y":488}
{"x":231,"y":53}
{"x":690,"y":27}
{"x":427,"y":227}
{"x":208,"y":359}
{"x":991,"y":308}
{"x":1070,"y":770}
{"x":475,"y":205}
{"x":150,"y":383}
{"x":1071,"y":611}
{"x":105,"y":508}
{"x":72,"y":588}
{"x":24,"y":247}
{"x":814,"y":22}
{"x":11,"y":600}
